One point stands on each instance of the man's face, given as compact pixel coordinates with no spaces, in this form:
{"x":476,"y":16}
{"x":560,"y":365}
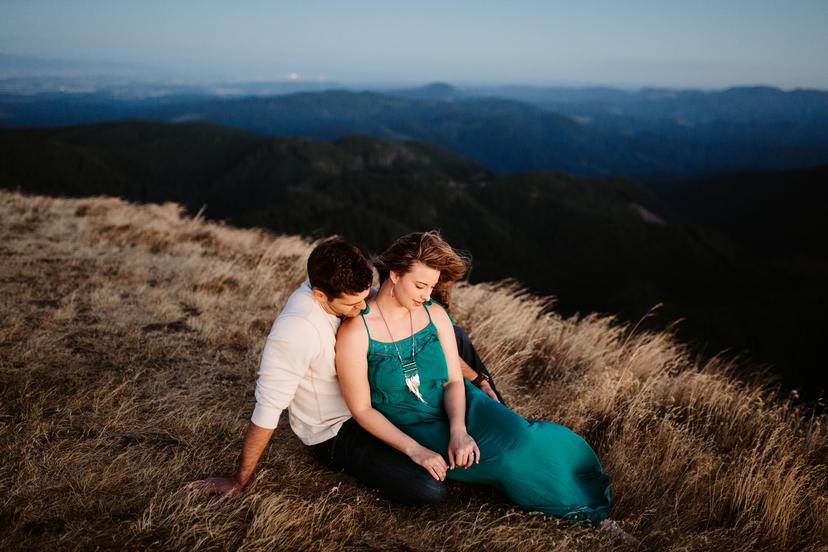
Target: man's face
{"x":345,"y":305}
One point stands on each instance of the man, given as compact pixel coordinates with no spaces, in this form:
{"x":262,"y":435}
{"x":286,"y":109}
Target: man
{"x":297,"y":372}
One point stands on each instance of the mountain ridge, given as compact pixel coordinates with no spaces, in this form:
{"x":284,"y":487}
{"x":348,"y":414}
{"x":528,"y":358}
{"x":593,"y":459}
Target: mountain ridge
{"x":685,"y":134}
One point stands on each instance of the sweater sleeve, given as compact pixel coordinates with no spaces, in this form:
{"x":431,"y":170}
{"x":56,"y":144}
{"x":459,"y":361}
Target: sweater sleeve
{"x":291,"y":346}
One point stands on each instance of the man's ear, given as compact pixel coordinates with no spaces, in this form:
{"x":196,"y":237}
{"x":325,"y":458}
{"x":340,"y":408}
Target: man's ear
{"x":319,"y":295}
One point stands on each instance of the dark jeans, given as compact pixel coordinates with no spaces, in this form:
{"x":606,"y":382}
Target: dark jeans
{"x":379,"y":466}
{"x":382,"y":467}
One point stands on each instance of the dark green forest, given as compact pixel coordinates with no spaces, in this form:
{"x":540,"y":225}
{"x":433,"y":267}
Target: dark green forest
{"x":597,"y":244}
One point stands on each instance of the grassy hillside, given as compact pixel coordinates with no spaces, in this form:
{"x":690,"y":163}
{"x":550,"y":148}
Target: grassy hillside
{"x":129,"y":343}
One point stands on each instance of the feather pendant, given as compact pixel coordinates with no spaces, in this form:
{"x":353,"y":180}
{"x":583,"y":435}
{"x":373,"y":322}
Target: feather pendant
{"x":413,"y":383}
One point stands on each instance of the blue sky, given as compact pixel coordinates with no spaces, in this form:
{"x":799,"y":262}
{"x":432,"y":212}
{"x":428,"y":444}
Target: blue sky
{"x":706,"y":44}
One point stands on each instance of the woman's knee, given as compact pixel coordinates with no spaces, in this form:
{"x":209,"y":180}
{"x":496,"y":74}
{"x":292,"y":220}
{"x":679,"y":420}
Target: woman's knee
{"x":427,"y":491}
{"x":417,"y":488}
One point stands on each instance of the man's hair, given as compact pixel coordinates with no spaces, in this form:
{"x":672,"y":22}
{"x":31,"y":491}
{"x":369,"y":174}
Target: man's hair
{"x":336,"y":267}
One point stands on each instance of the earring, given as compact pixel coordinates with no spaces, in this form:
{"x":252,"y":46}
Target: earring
{"x":392,"y":289}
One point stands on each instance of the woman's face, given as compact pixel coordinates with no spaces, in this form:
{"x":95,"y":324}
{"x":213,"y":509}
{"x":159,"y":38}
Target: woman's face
{"x":414,"y":287}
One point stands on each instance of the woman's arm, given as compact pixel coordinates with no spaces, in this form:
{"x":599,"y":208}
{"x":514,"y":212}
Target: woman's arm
{"x":461,"y":445}
{"x":352,"y":370}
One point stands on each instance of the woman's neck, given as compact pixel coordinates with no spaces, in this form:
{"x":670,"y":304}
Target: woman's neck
{"x":388,"y":304}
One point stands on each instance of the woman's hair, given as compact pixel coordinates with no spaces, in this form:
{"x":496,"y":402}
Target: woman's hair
{"x":430,"y":249}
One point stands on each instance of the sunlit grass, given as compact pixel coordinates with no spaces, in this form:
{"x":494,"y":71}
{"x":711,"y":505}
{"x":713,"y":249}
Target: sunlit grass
{"x":129,"y":343}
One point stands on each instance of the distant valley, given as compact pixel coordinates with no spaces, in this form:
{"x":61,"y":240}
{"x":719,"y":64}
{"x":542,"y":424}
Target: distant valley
{"x":647,"y":135}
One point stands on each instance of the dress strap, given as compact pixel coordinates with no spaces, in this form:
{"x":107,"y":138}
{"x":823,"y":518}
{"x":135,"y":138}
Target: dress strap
{"x":425,"y":306}
{"x":362,"y":315}
{"x":435,"y":302}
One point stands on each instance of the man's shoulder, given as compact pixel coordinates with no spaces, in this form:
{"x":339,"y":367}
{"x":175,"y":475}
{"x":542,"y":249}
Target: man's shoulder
{"x":302,"y":314}
{"x":300,"y":303}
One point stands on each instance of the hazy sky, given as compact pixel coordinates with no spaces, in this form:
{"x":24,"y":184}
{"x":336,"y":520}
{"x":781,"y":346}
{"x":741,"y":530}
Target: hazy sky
{"x":702,"y":43}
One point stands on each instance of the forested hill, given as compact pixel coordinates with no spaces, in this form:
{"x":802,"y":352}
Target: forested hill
{"x":773,"y":213}
{"x":597,"y":244}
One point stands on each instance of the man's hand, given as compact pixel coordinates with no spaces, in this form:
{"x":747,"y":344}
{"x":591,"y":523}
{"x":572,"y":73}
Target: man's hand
{"x":255,"y":441}
{"x":486,"y":388}
{"x":222,"y":486}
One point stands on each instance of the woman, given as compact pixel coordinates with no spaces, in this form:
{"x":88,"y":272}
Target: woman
{"x":400,"y":375}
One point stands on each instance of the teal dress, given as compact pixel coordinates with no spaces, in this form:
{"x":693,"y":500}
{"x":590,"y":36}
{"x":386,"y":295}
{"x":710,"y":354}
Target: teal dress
{"x":539,"y":465}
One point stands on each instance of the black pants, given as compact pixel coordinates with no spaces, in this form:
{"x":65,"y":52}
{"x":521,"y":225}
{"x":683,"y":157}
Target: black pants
{"x":379,"y":466}
{"x":382,"y":467}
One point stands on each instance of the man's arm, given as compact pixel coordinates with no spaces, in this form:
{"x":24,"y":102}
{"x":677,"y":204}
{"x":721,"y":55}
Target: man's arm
{"x":468,"y":372}
{"x":255,"y":441}
{"x":286,"y":357}
{"x":471,"y":375}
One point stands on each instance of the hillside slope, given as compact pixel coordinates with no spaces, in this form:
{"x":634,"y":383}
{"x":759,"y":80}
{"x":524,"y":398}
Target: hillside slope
{"x":129,"y":343}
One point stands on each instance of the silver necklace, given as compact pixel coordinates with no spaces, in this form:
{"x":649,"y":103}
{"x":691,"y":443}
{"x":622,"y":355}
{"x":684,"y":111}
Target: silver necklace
{"x":409,"y":369}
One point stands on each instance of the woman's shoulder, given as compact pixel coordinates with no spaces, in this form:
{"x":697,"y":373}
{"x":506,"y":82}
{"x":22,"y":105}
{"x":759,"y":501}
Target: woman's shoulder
{"x":439,"y":314}
{"x":440,"y":310}
{"x":351,"y":324}
{"x":352,"y":332}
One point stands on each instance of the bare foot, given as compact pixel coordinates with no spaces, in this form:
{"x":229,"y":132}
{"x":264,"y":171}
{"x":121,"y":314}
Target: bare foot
{"x":614,"y":530}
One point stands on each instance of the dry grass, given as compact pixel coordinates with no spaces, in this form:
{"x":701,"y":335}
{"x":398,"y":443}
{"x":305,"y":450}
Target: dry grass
{"x":129,"y":343}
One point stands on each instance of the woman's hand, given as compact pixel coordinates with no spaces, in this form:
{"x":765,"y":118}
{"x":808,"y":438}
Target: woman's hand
{"x":462,"y":450}
{"x":431,"y":461}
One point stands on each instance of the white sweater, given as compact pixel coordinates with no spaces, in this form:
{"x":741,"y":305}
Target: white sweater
{"x":297,"y":371}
